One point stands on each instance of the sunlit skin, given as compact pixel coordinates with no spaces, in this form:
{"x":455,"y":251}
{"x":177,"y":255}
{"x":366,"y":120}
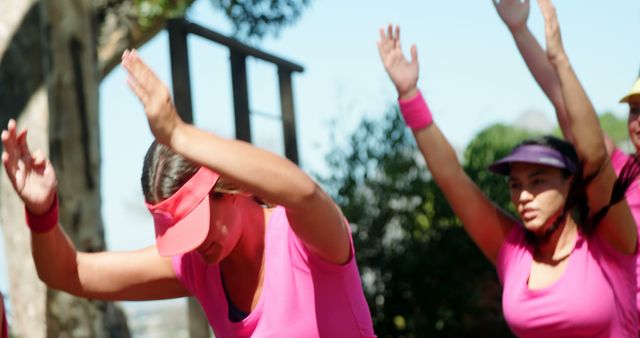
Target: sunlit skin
{"x":230,"y":218}
{"x":236,"y":242}
{"x":633,"y":121}
{"x":539,"y":193}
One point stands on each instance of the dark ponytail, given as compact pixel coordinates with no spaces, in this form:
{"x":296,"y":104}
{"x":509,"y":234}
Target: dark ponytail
{"x":627,"y":176}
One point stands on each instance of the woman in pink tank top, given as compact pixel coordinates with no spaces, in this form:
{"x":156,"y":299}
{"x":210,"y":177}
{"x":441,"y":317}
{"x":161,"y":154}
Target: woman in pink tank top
{"x":567,"y":264}
{"x":514,"y":14}
{"x":262,"y":247}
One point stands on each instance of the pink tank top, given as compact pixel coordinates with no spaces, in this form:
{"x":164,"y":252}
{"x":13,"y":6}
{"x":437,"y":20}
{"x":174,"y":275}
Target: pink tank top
{"x":594,"y":297}
{"x":618,"y":159}
{"x":302,"y":295}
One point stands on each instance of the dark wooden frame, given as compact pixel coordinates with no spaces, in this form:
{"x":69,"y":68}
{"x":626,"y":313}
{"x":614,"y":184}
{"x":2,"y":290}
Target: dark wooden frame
{"x":179,"y":29}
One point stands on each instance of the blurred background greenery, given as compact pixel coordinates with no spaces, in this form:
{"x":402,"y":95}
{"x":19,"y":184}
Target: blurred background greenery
{"x":422,"y":275}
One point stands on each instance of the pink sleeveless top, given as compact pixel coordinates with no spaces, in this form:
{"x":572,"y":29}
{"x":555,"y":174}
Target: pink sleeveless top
{"x":302,"y":295}
{"x":594,"y":297}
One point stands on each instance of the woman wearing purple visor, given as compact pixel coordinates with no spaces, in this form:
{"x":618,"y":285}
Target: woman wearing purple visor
{"x":567,"y":264}
{"x":285,"y":268}
{"x":514,"y":14}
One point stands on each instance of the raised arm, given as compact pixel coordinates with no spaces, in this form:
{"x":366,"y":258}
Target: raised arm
{"x":313,"y":215}
{"x":141,"y":275}
{"x":485,"y":223}
{"x":618,"y":226}
{"x":514,"y":14}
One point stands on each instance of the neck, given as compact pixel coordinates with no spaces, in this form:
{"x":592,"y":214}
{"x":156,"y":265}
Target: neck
{"x":560,"y":243}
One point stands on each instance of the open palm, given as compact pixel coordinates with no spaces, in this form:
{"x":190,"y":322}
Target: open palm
{"x":555,"y":49}
{"x":402,"y":72}
{"x":514,"y":13}
{"x":31,"y":175}
{"x":154,"y":95}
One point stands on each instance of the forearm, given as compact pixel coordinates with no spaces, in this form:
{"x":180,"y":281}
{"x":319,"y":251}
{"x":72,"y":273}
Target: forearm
{"x":440,"y":156}
{"x":544,"y":73}
{"x":258,"y":171}
{"x":585,"y":126}
{"x":54,"y":256}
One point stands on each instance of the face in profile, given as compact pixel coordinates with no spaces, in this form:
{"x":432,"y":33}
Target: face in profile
{"x":633,"y":121}
{"x":539,"y":194}
{"x":224,"y":230}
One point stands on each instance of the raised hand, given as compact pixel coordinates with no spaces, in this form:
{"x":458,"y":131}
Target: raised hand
{"x":403,"y":73}
{"x":155,"y":97}
{"x":514,"y":13}
{"x":31,"y":175}
{"x":555,"y":49}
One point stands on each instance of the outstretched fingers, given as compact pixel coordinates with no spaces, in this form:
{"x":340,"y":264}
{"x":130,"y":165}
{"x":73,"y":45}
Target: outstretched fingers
{"x":142,"y":80}
{"x":10,"y":142}
{"x":383,"y":43}
{"x":548,"y":10}
{"x":22,"y":143}
{"x":552,"y":28}
{"x":16,"y":156}
{"x":414,"y":54}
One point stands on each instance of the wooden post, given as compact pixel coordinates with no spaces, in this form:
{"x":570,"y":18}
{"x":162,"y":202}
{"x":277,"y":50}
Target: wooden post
{"x":240,"y":95}
{"x":180,"y":75}
{"x":288,"y":115}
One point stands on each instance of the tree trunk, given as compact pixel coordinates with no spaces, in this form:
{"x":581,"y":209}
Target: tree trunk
{"x":22,"y":96}
{"x":70,"y":99}
{"x":73,"y":79}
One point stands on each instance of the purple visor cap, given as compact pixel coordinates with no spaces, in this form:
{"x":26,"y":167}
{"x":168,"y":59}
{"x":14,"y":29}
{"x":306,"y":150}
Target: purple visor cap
{"x":535,"y":154}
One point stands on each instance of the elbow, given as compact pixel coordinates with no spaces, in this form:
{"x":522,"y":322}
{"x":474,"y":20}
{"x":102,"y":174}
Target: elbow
{"x":305,"y":196}
{"x":58,"y":277}
{"x":594,"y":159}
{"x":49,"y":280}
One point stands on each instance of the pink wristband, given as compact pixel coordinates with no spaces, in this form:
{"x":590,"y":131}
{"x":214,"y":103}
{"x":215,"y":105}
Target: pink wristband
{"x":45,"y":222}
{"x":416,"y":113}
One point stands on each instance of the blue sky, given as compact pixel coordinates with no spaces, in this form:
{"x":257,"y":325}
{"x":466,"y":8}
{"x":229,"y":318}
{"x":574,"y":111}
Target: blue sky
{"x":470,"y":73}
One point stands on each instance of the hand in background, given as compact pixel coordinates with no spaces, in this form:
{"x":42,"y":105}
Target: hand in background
{"x":514,"y":13}
{"x":31,"y":174}
{"x":158,"y":105}
{"x":403,"y":73}
{"x":555,"y":49}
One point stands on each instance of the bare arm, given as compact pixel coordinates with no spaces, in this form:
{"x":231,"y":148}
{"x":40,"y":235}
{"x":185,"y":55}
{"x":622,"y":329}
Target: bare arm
{"x":514,"y":13}
{"x":313,"y":215}
{"x":484,"y":222}
{"x":113,"y":276}
{"x":137,"y":275}
{"x":618,"y":226}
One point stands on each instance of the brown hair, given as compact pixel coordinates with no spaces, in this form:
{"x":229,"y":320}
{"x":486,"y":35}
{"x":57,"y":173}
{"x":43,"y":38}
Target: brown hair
{"x":164,"y":172}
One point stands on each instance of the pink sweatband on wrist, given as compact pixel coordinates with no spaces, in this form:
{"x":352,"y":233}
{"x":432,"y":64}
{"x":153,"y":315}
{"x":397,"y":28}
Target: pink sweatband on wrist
{"x":45,"y":222}
{"x":416,"y":113}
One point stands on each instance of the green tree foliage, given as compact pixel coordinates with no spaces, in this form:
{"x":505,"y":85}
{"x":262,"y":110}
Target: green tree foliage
{"x":615,"y":127}
{"x":423,"y":276}
{"x":612,"y":125}
{"x":250,"y":18}
{"x":150,"y":10}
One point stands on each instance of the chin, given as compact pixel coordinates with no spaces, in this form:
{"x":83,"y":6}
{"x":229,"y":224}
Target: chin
{"x":533,"y":225}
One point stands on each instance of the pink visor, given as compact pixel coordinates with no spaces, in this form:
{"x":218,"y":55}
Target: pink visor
{"x":182,"y":220}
